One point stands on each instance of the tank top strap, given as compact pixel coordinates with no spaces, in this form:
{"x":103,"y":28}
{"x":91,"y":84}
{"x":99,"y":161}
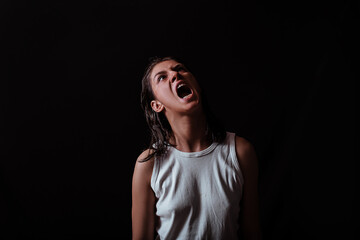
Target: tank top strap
{"x":231,"y":140}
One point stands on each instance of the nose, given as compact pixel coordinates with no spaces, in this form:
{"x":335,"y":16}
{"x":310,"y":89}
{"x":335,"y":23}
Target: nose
{"x":175,"y":76}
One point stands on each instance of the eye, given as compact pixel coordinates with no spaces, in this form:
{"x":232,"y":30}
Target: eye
{"x":180,"y":69}
{"x":161,"y":77}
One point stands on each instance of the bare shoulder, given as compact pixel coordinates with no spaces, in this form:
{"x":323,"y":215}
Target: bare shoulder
{"x":245,"y":153}
{"x":243,"y":147}
{"x":250,"y":219}
{"x":143,"y":199}
{"x":143,"y":170}
{"x":144,"y":154}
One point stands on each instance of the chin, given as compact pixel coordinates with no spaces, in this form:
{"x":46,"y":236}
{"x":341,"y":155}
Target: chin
{"x":192,"y":107}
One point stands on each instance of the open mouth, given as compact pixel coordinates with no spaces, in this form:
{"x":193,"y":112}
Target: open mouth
{"x":183,"y":90}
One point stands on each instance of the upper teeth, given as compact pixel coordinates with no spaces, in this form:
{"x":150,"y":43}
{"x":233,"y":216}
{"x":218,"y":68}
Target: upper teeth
{"x":180,"y":85}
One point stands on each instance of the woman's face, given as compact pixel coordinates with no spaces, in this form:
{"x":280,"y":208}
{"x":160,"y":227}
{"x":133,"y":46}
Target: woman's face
{"x":175,"y":88}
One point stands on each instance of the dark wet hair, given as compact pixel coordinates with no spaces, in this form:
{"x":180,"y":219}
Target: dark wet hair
{"x":159,"y":126}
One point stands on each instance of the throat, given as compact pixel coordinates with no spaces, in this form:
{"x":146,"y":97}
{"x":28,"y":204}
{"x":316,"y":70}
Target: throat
{"x":194,"y":145}
{"x":183,"y":91}
{"x":193,"y":137}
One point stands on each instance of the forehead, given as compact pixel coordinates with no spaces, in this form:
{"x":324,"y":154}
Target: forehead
{"x":163,"y":66}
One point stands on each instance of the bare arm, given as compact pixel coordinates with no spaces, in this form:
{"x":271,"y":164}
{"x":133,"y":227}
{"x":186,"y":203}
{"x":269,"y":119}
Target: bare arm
{"x":249,"y":213}
{"x":143,"y":200}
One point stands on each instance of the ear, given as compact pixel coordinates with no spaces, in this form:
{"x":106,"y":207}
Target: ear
{"x":157,"y":106}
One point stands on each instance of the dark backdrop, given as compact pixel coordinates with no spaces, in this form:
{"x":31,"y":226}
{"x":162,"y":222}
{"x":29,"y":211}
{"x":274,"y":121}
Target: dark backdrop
{"x":276,"y":73}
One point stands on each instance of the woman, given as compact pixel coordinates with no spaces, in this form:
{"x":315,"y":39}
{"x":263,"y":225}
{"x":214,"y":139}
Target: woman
{"x":196,"y":181}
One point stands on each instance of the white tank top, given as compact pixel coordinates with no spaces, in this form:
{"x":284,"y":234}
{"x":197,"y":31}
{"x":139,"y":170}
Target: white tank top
{"x":198,"y":193}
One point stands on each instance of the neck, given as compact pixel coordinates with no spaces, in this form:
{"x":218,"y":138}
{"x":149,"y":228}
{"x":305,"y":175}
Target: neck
{"x":190,"y":132}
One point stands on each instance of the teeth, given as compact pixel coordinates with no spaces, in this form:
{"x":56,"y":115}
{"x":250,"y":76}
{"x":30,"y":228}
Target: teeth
{"x":180,"y":85}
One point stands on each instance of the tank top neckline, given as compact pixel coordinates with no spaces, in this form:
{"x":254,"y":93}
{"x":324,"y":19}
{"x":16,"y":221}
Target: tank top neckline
{"x":195,"y":154}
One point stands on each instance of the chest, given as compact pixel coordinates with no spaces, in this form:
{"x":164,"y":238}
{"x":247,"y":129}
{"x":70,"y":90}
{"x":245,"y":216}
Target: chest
{"x":198,"y":188}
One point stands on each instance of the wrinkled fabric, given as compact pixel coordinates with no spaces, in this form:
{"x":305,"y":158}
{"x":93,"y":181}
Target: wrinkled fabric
{"x":198,"y":193}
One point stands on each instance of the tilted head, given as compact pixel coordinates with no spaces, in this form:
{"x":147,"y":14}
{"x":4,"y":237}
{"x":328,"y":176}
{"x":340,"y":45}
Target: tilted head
{"x":169,"y":88}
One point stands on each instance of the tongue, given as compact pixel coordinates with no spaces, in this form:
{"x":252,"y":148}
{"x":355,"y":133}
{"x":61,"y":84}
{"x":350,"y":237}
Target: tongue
{"x":183,"y":91}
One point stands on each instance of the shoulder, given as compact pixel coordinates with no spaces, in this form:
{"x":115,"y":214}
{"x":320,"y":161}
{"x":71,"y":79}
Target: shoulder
{"x":144,"y":154}
{"x":243,"y":147}
{"x":143,"y":170}
{"x":246,"y":155}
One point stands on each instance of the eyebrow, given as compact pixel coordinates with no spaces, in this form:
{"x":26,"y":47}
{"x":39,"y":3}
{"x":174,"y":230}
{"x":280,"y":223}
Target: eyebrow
{"x":177,"y":66}
{"x":161,"y":72}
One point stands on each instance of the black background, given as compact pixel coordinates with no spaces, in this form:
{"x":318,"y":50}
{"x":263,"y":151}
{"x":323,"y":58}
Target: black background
{"x":277,"y":73}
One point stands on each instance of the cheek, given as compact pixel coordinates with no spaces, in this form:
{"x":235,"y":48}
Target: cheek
{"x":155,"y":93}
{"x":160,"y":92}
{"x":196,"y":84}
{"x":156,"y":89}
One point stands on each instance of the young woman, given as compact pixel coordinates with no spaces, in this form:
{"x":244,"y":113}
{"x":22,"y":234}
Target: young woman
{"x":196,"y":181}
